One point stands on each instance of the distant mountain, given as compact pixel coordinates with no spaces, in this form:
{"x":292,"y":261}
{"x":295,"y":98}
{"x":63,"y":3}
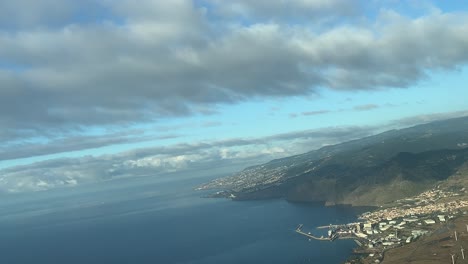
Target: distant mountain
{"x":369,"y":171}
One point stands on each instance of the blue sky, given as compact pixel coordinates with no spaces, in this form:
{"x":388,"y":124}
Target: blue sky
{"x":165,"y":86}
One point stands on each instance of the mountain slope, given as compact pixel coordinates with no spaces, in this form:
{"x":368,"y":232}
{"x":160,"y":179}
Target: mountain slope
{"x":368,"y":171}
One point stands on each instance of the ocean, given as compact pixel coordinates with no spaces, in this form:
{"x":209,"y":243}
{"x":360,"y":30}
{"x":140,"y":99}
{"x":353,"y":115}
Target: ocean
{"x":161,"y":220}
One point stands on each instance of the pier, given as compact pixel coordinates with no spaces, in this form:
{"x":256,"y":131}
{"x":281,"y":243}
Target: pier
{"x":299,"y":231}
{"x":329,"y":226}
{"x":332,"y":235}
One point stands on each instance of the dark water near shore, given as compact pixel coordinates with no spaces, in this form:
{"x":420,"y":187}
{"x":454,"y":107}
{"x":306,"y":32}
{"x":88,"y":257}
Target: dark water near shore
{"x":149,"y":220}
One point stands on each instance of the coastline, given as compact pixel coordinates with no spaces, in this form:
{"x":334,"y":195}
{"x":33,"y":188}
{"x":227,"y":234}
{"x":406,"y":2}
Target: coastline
{"x":396,"y":226}
{"x":422,"y":222}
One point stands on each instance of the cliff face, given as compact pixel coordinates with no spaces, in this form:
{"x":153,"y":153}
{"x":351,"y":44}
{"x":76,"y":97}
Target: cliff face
{"x":369,"y":171}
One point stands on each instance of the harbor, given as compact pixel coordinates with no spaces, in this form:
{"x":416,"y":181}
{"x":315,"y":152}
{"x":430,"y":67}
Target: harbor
{"x":374,"y":239}
{"x":346,"y":231}
{"x":309,"y":235}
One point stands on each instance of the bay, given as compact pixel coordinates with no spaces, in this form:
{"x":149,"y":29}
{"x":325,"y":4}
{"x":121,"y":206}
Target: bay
{"x":162,"y":220}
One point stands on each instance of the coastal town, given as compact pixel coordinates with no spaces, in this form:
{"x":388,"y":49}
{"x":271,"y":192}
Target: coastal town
{"x":401,"y":224}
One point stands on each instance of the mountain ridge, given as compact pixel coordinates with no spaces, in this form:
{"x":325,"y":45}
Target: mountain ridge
{"x":368,"y":171}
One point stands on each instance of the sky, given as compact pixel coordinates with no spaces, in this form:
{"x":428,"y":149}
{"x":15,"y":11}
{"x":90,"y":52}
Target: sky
{"x":96,"y":90}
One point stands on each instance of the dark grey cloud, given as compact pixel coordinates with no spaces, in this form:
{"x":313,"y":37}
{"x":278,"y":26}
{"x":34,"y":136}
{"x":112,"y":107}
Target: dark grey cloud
{"x":29,"y":13}
{"x":212,"y":124}
{"x":365,"y":107}
{"x":318,"y":112}
{"x":310,"y":113}
{"x":325,"y":134}
{"x":22,"y":14}
{"x":75,"y":143}
{"x":161,"y":59}
{"x":314,"y":10}
{"x":426,"y":118}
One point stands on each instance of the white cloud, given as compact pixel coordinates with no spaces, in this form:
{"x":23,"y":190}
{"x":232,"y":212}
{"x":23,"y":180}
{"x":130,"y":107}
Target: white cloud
{"x":196,"y":157}
{"x":166,"y":163}
{"x":273,"y":150}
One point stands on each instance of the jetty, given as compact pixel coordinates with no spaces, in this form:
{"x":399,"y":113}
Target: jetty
{"x":328,"y":226}
{"x":309,"y":235}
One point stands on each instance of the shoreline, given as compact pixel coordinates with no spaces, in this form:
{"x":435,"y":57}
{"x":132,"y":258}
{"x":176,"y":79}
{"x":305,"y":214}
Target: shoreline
{"x":408,"y":222}
{"x":393,"y":227}
{"x":440,"y":238}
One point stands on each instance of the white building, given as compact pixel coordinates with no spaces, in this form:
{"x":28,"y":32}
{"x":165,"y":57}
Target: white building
{"x":429,"y":222}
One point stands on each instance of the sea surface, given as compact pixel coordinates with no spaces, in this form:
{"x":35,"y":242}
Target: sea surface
{"x":161,"y":220}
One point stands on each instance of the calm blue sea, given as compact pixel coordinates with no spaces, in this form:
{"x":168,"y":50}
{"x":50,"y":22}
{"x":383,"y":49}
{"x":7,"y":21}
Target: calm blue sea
{"x":160,"y":220}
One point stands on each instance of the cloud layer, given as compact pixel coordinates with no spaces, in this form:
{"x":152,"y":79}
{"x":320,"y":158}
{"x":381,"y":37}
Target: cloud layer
{"x":193,"y":157}
{"x":128,"y":62}
{"x":70,"y":67}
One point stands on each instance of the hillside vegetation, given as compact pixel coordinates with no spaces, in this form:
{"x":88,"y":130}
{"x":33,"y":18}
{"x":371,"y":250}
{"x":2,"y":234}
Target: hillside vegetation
{"x":369,"y":171}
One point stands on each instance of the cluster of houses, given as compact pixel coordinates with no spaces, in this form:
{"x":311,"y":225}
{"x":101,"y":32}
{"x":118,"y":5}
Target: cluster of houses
{"x":394,"y":232}
{"x":409,"y":220}
{"x":426,"y":203}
